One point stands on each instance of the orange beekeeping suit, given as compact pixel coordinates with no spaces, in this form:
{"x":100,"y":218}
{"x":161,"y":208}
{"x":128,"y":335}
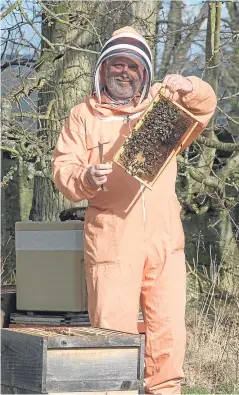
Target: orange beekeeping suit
{"x":134,"y":240}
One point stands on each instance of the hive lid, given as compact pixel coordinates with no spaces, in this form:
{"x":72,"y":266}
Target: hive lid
{"x":49,"y":225}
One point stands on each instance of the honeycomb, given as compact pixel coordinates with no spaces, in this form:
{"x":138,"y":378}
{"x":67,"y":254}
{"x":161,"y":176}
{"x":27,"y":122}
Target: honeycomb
{"x":154,"y":138}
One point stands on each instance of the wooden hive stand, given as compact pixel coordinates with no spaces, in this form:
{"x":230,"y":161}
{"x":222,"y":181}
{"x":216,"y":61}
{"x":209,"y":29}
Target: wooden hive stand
{"x":88,"y":360}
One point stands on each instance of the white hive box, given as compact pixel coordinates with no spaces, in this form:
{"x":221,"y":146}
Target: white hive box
{"x":50,"y":273}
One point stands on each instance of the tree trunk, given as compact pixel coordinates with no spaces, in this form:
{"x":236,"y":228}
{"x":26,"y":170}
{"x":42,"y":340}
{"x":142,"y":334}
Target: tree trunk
{"x":211,"y":75}
{"x":180,"y":53}
{"x":229,"y":270}
{"x":85,"y":25}
{"x":173,"y":37}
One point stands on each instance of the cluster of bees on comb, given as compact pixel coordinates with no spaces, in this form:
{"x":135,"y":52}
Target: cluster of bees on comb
{"x":147,"y":148}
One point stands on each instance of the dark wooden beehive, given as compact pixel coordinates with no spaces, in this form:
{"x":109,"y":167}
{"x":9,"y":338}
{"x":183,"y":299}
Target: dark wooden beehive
{"x":156,"y":138}
{"x":74,"y":360}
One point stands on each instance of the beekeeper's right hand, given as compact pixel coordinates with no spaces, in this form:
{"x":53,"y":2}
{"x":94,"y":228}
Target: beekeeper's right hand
{"x":97,"y":174}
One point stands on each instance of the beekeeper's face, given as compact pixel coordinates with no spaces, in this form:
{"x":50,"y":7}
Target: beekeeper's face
{"x":123,"y":77}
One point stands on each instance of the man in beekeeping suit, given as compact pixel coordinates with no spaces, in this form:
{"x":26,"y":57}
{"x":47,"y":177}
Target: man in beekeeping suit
{"x":134,"y":240}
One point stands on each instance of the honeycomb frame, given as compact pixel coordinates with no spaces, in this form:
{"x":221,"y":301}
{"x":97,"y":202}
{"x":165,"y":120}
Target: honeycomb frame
{"x":175,"y":149}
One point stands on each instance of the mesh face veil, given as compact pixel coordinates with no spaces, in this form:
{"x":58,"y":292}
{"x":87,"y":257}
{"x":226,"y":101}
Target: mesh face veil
{"x":128,"y":44}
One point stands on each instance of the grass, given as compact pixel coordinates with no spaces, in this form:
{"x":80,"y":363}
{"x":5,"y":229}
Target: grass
{"x":197,"y":390}
{"x":194,"y":390}
{"x":212,"y":355}
{"x":8,"y":262}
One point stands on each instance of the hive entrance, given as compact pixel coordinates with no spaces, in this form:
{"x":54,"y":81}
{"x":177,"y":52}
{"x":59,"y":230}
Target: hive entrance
{"x":154,"y":138}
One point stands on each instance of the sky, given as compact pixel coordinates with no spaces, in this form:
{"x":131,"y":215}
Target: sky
{"x":31,"y":7}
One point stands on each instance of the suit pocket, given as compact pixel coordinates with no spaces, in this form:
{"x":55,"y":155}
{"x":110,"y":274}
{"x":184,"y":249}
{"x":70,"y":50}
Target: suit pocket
{"x":176,"y":227}
{"x":100,"y":236}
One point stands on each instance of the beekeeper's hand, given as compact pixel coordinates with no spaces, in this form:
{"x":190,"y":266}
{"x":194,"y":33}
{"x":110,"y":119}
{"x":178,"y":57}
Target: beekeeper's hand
{"x":176,"y":84}
{"x":97,"y":174}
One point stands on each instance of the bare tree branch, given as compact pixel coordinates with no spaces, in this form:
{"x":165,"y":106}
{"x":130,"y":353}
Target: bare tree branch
{"x":228,"y":116}
{"x":228,"y":147}
{"x":10,"y":9}
{"x":34,"y":27}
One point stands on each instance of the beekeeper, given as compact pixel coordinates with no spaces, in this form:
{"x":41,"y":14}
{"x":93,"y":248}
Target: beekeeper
{"x":134,"y":240}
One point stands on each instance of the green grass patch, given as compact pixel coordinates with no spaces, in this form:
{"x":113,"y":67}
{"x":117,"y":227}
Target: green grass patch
{"x":223,"y":389}
{"x":195,"y":390}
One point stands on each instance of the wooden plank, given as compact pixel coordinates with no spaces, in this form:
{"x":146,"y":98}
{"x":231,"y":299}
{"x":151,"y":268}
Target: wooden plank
{"x":82,"y":337}
{"x":6,"y":389}
{"x":22,"y":360}
{"x":94,"y":337}
{"x":141,"y":326}
{"x":95,"y":385}
{"x":13,"y":390}
{"x":100,"y":365}
{"x":97,"y":393}
{"x":36,"y":319}
{"x":84,"y":342}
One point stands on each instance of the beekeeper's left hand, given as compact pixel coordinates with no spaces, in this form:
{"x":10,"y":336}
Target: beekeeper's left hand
{"x":177,"y":85}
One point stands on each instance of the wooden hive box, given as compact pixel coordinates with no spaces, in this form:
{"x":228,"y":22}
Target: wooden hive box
{"x":50,"y":272}
{"x":80,"y":360}
{"x":156,"y":138}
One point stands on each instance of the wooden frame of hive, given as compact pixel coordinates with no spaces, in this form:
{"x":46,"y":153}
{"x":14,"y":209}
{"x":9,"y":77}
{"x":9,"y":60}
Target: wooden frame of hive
{"x":177,"y":147}
{"x":76,"y":360}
